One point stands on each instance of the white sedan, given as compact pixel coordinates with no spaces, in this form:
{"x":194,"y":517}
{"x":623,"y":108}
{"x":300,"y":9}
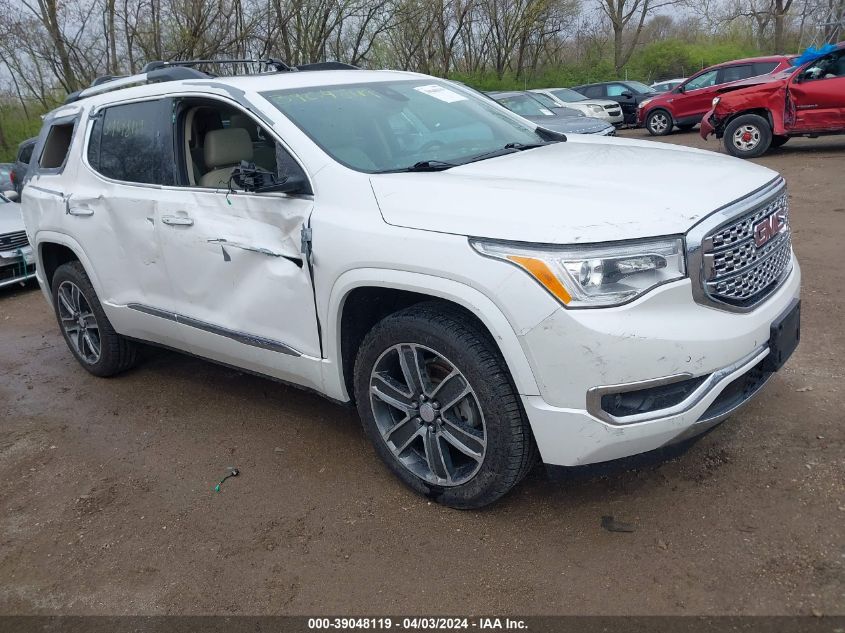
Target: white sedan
{"x":17,"y":263}
{"x":605,"y":109}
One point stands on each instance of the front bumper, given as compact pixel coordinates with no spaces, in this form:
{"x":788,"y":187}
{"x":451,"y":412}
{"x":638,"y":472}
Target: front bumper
{"x":707,"y":127}
{"x":663,"y":334}
{"x":16,"y":266}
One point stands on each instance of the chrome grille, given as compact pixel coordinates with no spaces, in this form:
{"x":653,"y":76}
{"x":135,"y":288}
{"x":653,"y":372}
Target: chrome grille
{"x":13,"y":241}
{"x":737,"y":271}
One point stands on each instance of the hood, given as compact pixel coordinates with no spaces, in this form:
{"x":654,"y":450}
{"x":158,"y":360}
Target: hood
{"x":750,"y":95}
{"x":571,"y":124}
{"x":588,"y":189}
{"x":11,"y":220}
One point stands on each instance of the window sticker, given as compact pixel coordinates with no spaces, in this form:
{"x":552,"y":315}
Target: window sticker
{"x":439,"y":92}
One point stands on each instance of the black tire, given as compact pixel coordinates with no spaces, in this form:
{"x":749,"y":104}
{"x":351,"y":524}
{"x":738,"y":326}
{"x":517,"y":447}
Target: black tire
{"x":778,"y":141}
{"x":747,"y":136}
{"x":659,"y":122}
{"x":439,"y":329}
{"x":686,"y":127}
{"x":116,"y":353}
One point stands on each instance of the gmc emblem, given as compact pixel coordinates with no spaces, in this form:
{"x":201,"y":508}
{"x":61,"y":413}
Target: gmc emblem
{"x":768,"y":227}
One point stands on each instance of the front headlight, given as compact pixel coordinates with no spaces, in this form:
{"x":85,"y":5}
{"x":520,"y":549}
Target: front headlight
{"x":716,"y":101}
{"x":595,"y":275}
{"x":596,"y":109}
{"x":645,"y":103}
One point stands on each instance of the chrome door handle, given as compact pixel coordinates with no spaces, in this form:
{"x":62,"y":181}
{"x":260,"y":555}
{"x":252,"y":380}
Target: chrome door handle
{"x":177,"y":220}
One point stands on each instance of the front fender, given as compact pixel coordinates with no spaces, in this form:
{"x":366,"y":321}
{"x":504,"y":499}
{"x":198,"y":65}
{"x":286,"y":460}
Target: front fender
{"x":470,"y":298}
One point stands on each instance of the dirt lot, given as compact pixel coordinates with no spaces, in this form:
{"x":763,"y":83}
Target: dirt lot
{"x":106,"y":504}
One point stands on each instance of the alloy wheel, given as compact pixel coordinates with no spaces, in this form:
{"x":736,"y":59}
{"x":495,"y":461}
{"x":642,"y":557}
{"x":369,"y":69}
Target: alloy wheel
{"x":428,"y":414}
{"x":79,"y":322}
{"x":658,"y":122}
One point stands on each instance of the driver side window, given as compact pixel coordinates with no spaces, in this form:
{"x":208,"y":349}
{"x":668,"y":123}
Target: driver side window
{"x":702,"y":81}
{"x":217,"y":137}
{"x":829,"y":67}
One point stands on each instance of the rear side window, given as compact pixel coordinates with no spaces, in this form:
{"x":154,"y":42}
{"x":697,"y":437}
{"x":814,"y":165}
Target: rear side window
{"x":25,"y":153}
{"x":593,"y":92}
{"x":764,"y":68}
{"x":134,"y":143}
{"x":735,"y":73}
{"x":56,"y":146}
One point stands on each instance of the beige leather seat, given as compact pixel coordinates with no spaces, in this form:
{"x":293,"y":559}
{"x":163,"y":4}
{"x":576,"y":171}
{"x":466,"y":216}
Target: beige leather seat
{"x":222,"y":152}
{"x":263,"y":151}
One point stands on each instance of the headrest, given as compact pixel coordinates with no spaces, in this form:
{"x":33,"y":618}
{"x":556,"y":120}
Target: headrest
{"x":227,"y":147}
{"x":239,"y":120}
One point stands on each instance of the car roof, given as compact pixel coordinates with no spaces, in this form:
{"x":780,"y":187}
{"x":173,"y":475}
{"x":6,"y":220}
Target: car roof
{"x":261,"y":82}
{"x":751,"y":60}
{"x":507,"y":93}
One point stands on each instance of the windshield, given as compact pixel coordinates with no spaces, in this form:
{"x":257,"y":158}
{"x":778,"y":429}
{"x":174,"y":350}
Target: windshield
{"x":640,"y":89}
{"x":524,"y":105}
{"x":393,"y":125}
{"x":570,"y":96}
{"x":545,"y":100}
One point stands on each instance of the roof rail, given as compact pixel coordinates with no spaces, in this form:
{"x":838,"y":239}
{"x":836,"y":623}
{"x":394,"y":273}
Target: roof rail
{"x":160,"y":71}
{"x":109,"y":83}
{"x":270,"y":62}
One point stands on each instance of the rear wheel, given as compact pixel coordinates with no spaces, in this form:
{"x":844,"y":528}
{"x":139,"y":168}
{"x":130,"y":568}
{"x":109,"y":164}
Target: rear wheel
{"x":748,"y":136}
{"x":659,"y":123}
{"x":438,"y":404}
{"x":87,"y":331}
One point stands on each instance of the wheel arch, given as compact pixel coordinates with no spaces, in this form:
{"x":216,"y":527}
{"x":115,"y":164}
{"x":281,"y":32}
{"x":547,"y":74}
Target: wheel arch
{"x":762,"y":112}
{"x":362,"y":297}
{"x":54,"y":249}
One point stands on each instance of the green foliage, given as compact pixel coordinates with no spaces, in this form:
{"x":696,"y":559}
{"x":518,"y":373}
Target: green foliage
{"x":664,"y":59}
{"x":16,"y":126}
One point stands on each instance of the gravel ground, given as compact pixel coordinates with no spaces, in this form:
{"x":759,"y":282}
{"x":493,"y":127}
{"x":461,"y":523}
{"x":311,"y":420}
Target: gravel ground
{"x":107,"y":505}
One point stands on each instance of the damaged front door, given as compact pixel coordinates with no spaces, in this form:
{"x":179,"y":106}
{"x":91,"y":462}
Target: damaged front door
{"x":242,"y":290}
{"x":238,"y":276}
{"x":817,"y":95}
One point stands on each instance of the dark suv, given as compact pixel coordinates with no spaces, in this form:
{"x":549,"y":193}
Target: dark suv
{"x":21,"y":166}
{"x":628,"y":94}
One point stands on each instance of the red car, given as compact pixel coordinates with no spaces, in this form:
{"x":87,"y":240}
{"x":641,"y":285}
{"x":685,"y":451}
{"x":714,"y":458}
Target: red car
{"x":684,"y":105}
{"x":807,"y":101}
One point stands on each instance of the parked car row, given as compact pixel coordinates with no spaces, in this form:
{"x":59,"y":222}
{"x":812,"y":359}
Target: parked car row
{"x":545,"y":111}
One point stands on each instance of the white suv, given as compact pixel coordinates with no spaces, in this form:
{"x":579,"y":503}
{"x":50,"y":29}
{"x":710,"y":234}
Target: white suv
{"x":470,"y":281}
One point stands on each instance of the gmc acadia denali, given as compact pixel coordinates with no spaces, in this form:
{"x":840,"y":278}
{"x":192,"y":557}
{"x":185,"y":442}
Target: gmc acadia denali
{"x":470,"y":281}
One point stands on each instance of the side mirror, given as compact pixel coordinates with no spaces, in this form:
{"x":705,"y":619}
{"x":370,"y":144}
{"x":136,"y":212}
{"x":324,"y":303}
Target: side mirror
{"x":257,"y":180}
{"x":11,"y":195}
{"x":290,"y":184}
{"x":627,"y":95}
{"x":680,"y":89}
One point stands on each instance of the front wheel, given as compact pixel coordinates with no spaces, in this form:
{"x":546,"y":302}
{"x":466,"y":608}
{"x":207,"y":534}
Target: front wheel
{"x":438,"y":404}
{"x":659,"y":123}
{"x":748,"y":136}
